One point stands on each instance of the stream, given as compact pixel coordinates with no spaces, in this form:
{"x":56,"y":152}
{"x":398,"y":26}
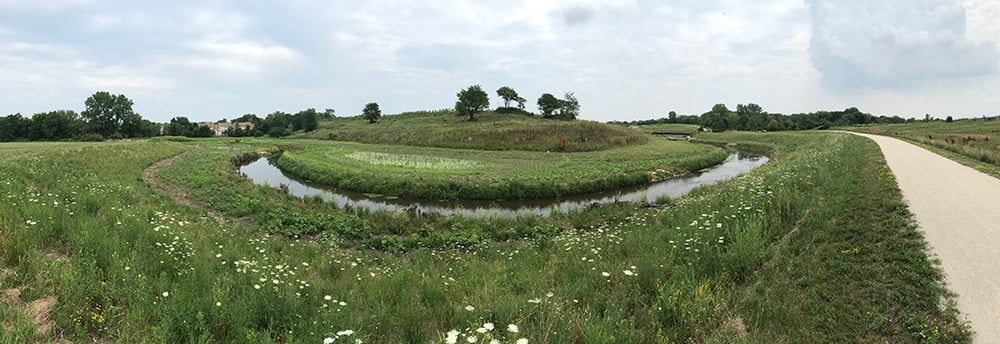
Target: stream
{"x":262,"y":172}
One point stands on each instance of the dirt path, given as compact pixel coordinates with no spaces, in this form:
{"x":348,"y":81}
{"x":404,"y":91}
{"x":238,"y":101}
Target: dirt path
{"x":958,"y":209}
{"x":175,"y":193}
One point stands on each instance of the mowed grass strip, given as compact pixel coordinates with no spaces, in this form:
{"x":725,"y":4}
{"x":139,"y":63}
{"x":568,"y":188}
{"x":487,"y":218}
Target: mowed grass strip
{"x":439,"y":173}
{"x":815,"y":246}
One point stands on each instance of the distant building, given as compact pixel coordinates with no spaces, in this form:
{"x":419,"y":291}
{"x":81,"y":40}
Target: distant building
{"x":221,"y":128}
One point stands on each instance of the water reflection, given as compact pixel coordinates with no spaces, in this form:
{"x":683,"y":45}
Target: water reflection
{"x":262,"y":172}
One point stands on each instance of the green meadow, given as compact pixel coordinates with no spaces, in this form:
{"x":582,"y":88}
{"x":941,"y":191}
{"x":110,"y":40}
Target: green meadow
{"x":972,"y":142}
{"x":162,"y":241}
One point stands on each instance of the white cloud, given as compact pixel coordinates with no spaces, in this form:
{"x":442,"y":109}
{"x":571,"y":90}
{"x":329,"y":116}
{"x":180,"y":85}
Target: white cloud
{"x":895,"y":44}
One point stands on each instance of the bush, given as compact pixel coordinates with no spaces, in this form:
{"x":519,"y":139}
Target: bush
{"x":277,"y":132}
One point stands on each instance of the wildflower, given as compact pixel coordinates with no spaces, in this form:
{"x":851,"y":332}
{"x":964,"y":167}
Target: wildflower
{"x":535,"y":300}
{"x":256,"y":286}
{"x":452,"y":337}
{"x":481,"y":330}
{"x":488,"y":326}
{"x":628,"y":272}
{"x":470,"y":339}
{"x":522,"y":341}
{"x":165,"y":294}
{"x":512,"y":328}
{"x":470,"y":308}
{"x":327,"y":297}
{"x":345,"y":333}
{"x":218,"y":304}
{"x":606,"y":274}
{"x":327,"y":340}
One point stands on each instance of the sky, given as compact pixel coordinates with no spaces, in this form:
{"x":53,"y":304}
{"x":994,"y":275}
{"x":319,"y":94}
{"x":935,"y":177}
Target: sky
{"x":623,"y":59}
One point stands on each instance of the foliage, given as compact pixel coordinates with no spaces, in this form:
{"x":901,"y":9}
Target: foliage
{"x":371,"y":112}
{"x":752,"y":117}
{"x":510,"y":95}
{"x":548,"y":105}
{"x":107,"y":114}
{"x":472,"y":100}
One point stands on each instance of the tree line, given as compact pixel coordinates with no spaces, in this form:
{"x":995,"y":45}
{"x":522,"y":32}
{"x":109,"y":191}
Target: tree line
{"x":751,"y":117}
{"x":110,"y":116}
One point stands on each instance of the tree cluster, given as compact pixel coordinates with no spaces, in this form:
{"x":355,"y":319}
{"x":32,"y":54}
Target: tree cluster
{"x":473,"y":100}
{"x":751,"y":117}
{"x":106,"y":116}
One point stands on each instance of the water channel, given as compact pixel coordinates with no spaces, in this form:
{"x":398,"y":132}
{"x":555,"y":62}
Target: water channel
{"x":262,"y":172}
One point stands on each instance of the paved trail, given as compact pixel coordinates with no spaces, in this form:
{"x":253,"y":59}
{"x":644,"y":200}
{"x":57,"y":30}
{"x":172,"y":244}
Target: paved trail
{"x":958,"y":209}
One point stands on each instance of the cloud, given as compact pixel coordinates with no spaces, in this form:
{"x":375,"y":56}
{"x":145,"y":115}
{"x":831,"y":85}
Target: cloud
{"x":577,"y":15}
{"x":881,"y":44}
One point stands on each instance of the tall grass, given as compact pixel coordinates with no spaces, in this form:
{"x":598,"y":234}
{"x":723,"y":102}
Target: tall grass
{"x":814,"y":247}
{"x":500,"y":132}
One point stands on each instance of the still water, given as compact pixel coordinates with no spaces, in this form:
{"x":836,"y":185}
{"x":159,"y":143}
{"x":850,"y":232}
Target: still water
{"x":263,"y":173}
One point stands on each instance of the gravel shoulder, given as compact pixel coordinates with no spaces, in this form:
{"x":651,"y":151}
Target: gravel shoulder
{"x":958,"y":210}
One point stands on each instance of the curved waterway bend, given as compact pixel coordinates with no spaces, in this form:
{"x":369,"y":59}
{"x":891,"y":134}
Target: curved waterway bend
{"x":263,"y":173}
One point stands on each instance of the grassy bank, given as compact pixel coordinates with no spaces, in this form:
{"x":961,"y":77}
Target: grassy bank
{"x":491,"y":131}
{"x":437,"y":173}
{"x":971,"y":142}
{"x":815,"y":246}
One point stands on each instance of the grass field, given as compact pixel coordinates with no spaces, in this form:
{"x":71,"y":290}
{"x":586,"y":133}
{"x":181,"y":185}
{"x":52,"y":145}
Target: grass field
{"x":438,"y":173}
{"x":971,"y":142}
{"x":491,"y":131}
{"x":816,"y":246}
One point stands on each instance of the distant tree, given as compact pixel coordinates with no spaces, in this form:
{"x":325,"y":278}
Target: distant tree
{"x":472,"y":100}
{"x":569,"y":108}
{"x":509,"y":95}
{"x":548,"y":105}
{"x":328,"y":114}
{"x":105,"y":113}
{"x":180,"y":126}
{"x":751,"y":117}
{"x":131,"y":125}
{"x":277,"y":119}
{"x":55,"y":126}
{"x":306,"y":120}
{"x":672,"y":117}
{"x":720,"y":118}
{"x":201,"y":130}
{"x":949,"y":119}
{"x":14,"y":128}
{"x":372,"y":113}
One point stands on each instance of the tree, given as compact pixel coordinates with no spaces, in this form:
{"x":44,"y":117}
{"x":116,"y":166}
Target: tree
{"x":569,"y":108}
{"x":548,"y":104}
{"x":306,"y":120}
{"x":328,"y":114}
{"x":949,"y":119}
{"x":105,"y":113}
{"x":180,"y":126}
{"x":672,"y":117}
{"x":372,"y":113}
{"x":509,"y":95}
{"x":55,"y":125}
{"x":471,"y":101}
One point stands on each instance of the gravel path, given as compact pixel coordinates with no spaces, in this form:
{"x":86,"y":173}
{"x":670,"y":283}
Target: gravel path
{"x":958,"y":209}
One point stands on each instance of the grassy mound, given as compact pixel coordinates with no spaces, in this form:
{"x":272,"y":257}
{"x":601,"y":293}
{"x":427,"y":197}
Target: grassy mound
{"x":491,"y":131}
{"x":443,"y":173}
